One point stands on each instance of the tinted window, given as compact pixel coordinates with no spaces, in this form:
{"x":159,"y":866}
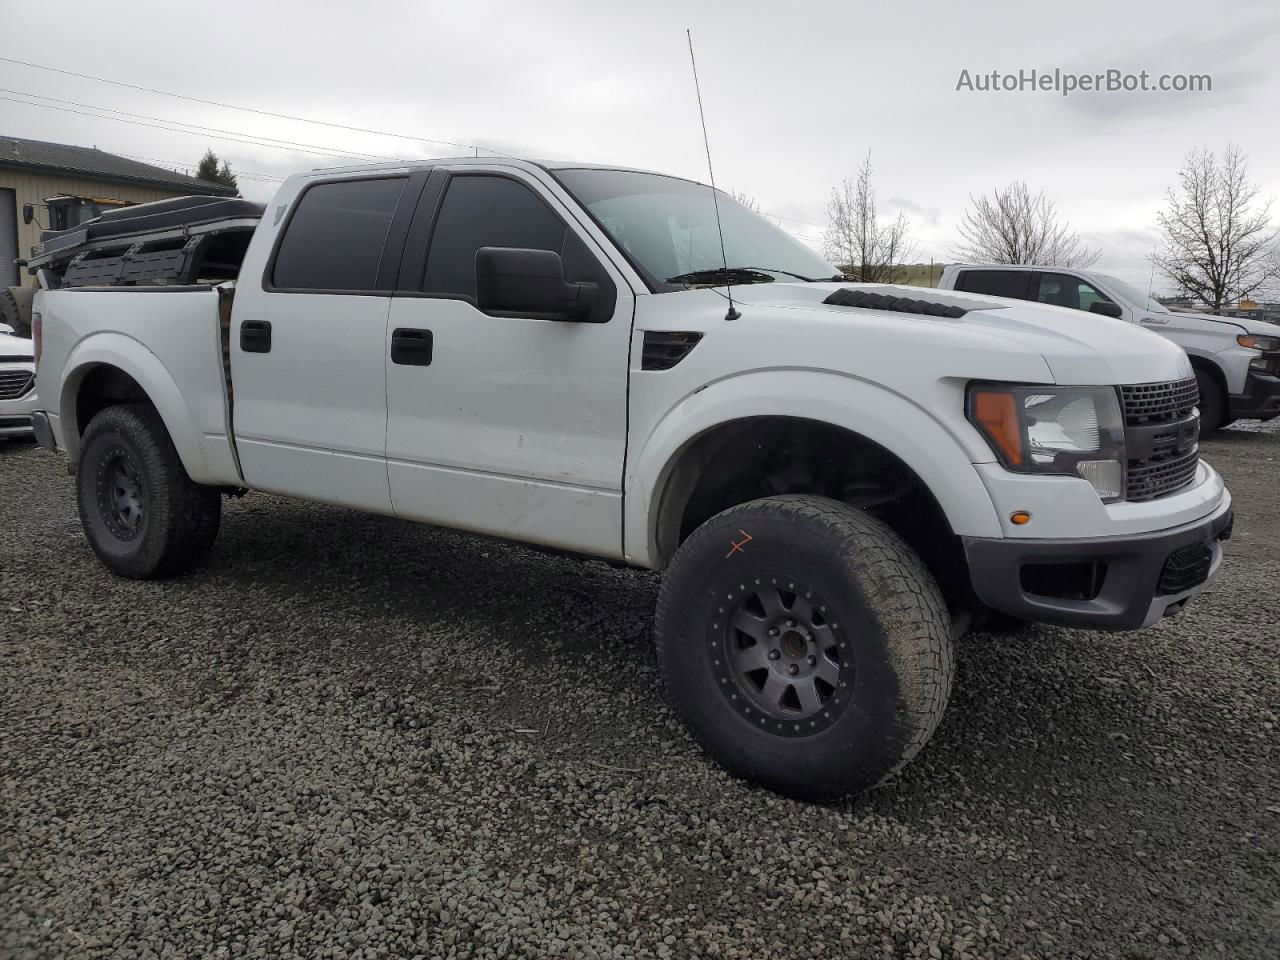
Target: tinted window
{"x":480,"y":211}
{"x":335,"y":237}
{"x":995,"y":283}
{"x":1066,"y":291}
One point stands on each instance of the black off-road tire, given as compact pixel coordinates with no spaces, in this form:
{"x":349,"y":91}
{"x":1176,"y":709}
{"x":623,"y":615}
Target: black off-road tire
{"x":174,"y":522}
{"x":895,"y":665}
{"x":1213,"y":403}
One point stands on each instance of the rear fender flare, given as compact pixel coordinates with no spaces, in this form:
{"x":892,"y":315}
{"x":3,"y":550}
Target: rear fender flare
{"x":133,"y":358}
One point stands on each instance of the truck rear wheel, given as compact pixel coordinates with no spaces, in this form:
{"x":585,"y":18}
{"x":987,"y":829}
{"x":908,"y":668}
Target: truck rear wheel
{"x":142,"y":514}
{"x":804,"y":645}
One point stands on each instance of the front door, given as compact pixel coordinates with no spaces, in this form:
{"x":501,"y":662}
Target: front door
{"x":497,"y":423}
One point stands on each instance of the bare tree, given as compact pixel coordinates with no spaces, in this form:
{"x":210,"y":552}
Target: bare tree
{"x":746,"y":199}
{"x":1218,"y":242}
{"x":856,"y":240}
{"x":1012,"y":226}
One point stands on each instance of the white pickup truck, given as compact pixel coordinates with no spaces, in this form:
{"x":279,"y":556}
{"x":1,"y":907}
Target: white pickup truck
{"x":829,"y":475}
{"x":1236,"y":360}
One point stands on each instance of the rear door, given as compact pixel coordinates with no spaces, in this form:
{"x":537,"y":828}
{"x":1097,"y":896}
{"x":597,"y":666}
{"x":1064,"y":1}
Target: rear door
{"x":309,"y":344}
{"x":506,"y":424}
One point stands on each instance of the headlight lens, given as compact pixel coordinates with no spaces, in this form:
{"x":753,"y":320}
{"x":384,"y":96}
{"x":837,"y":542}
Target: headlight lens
{"x":1258,"y":343}
{"x":1071,"y":431}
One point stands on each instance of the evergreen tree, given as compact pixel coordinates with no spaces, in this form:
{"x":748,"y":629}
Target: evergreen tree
{"x":216,"y":171}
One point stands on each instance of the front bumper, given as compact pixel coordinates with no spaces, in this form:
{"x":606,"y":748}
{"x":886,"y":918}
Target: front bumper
{"x":1105,"y":583}
{"x":15,"y":413}
{"x":1260,"y":400}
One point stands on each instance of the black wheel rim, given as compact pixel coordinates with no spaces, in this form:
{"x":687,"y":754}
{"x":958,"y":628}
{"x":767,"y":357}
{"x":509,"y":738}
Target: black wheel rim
{"x":781,"y":656}
{"x":121,"y":493}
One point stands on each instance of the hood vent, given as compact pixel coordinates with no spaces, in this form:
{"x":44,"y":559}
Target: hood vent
{"x":844,"y":297}
{"x":663,"y":350}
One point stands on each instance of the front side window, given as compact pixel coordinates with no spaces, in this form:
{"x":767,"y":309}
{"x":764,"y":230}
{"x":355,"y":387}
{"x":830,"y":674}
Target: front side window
{"x":485,"y":211}
{"x":335,"y":237}
{"x":1062,"y":290}
{"x":667,"y":228}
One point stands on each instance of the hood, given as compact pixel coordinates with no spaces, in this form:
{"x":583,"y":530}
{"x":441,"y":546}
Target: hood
{"x":1079,"y":348}
{"x":15,"y":349}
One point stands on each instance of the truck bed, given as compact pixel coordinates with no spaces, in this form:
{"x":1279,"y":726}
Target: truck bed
{"x":184,"y":370}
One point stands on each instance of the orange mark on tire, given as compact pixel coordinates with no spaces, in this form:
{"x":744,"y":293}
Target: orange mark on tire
{"x":737,"y":545}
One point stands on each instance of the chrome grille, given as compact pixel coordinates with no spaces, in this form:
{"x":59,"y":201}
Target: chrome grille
{"x":1162,"y":434}
{"x":14,"y":383}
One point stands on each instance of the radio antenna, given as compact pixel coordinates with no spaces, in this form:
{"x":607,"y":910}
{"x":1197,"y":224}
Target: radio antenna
{"x":732,"y":314}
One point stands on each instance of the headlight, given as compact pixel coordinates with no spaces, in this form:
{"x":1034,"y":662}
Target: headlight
{"x":1070,"y":431}
{"x":1258,"y":343}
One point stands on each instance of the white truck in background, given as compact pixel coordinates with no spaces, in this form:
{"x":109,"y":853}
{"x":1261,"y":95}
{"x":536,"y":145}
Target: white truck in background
{"x":1236,"y":360}
{"x":829,"y":476}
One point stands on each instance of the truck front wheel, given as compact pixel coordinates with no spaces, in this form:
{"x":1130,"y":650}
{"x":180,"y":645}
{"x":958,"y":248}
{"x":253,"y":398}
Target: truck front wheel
{"x":805,"y":645}
{"x":1213,"y":403}
{"x":142,"y":514}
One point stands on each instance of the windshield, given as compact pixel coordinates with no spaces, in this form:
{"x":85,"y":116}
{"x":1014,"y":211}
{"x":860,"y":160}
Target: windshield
{"x":667,"y":227}
{"x":1135,"y":296}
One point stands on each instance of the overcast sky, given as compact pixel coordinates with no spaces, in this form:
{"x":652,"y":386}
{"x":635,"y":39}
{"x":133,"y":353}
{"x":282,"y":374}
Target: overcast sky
{"x":795,"y":94}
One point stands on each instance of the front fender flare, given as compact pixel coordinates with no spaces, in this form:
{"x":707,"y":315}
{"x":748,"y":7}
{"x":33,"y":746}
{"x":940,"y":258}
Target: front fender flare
{"x":896,"y":423}
{"x":132,"y":357}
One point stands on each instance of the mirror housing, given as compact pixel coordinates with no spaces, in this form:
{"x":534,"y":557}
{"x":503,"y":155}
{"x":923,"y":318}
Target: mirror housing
{"x":1106,"y":308}
{"x":515,"y":281}
{"x":28,"y":213}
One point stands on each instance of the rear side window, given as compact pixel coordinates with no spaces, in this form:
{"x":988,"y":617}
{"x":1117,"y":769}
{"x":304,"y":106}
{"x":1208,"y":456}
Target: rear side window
{"x":484,"y":211}
{"x":995,"y":283}
{"x":335,"y":237}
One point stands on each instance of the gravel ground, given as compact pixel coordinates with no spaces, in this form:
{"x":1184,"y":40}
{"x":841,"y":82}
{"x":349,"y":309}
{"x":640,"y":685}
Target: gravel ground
{"x":352,"y":737}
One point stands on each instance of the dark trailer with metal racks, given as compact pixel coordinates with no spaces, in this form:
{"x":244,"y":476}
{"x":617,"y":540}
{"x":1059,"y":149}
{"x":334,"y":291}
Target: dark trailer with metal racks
{"x":179,"y":241}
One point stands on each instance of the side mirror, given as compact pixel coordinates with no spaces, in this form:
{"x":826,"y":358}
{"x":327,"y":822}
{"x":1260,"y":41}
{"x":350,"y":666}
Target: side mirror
{"x":28,"y":213}
{"x":6,"y":330}
{"x":529,"y":283}
{"x":1106,"y":308}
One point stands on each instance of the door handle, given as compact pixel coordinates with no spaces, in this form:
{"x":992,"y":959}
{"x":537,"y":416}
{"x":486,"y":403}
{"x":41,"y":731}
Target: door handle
{"x":411,"y":347}
{"x":255,"y":336}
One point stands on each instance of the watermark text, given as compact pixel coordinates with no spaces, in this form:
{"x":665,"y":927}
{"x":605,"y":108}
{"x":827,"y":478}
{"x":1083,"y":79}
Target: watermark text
{"x":1065,"y":82}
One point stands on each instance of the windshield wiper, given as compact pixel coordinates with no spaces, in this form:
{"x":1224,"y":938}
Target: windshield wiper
{"x":722,"y":275}
{"x":790,"y":274}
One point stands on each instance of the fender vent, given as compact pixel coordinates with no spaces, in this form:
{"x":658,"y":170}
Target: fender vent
{"x":663,"y":350}
{"x":845,"y":297}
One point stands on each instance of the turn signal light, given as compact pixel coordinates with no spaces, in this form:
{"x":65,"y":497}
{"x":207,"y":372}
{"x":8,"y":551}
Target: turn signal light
{"x":1020,"y":517}
{"x":997,"y":413}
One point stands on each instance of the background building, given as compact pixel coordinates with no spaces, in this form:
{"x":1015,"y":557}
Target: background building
{"x":67,"y":185}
